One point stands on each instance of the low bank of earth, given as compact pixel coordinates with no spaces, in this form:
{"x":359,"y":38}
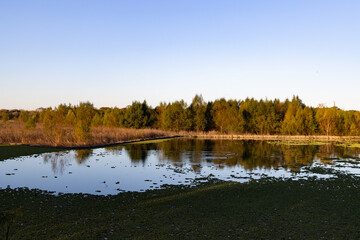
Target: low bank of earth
{"x":12,"y":151}
{"x":265,"y":209}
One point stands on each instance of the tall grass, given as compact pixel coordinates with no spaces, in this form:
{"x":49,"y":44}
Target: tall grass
{"x":13,"y":132}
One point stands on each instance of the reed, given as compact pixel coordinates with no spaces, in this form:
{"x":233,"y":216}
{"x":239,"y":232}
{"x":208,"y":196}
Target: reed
{"x":13,"y":132}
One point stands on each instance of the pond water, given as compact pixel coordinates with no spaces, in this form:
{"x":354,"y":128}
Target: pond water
{"x":142,"y":166}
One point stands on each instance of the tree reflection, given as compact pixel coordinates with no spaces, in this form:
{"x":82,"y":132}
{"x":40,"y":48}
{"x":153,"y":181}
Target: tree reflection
{"x":115,"y":150}
{"x":82,"y":155}
{"x":57,"y":160}
{"x":139,"y":152}
{"x":248,"y":154}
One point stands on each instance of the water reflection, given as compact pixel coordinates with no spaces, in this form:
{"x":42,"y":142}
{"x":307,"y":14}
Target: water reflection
{"x":248,"y":154}
{"x":61,"y":160}
{"x":137,"y":167}
{"x":82,"y":155}
{"x":57,"y":160}
{"x":138,"y":152}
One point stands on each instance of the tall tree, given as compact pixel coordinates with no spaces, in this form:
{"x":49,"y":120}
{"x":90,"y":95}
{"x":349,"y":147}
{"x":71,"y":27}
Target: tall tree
{"x":175,"y":116}
{"x":328,"y":120}
{"x":289,"y":123}
{"x":198,"y":107}
{"x":84,"y":114}
{"x":138,"y":115}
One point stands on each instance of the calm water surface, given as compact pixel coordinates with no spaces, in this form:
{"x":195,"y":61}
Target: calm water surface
{"x":138,"y":167}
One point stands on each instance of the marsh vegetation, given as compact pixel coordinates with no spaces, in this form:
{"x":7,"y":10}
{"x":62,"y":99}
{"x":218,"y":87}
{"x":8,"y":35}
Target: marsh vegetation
{"x":83,"y":124}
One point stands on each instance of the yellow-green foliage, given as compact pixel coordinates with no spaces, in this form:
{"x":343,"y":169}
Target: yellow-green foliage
{"x":249,"y":116}
{"x":4,"y":116}
{"x":97,"y":120}
{"x":30,"y":123}
{"x":84,"y":115}
{"x":70,"y":118}
{"x":24,"y":116}
{"x":198,"y":106}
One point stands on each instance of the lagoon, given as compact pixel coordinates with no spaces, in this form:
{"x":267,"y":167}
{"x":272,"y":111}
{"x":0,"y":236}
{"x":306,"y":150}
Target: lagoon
{"x":153,"y":165}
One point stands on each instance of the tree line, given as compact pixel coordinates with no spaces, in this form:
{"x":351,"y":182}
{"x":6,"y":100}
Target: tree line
{"x":249,"y":116}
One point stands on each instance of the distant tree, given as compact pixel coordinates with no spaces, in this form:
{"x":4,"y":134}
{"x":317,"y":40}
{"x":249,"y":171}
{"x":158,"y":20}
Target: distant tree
{"x":30,"y":123}
{"x":249,"y":115}
{"x":175,"y":116}
{"x":305,"y":121}
{"x":349,"y":123}
{"x":198,"y":106}
{"x":4,"y":116}
{"x":48,"y":119}
{"x":226,"y":115}
{"x":210,"y":125}
{"x":43,"y":113}
{"x":84,"y":114}
{"x":111,"y":118}
{"x":328,"y":120}
{"x":219,"y":114}
{"x":70,"y":118}
{"x":355,"y":124}
{"x":158,"y":115}
{"x":24,"y":116}
{"x":97,"y":120}
{"x":138,"y":115}
{"x":289,"y":123}
{"x":60,"y":113}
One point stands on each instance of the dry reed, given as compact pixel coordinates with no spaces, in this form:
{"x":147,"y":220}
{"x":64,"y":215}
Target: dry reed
{"x":13,"y":132}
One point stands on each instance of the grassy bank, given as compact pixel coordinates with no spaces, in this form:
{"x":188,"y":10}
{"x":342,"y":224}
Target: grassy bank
{"x":269,"y":209}
{"x":13,"y":132}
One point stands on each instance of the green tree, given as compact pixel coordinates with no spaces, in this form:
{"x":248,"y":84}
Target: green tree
{"x":84,"y":115}
{"x":31,"y":122}
{"x":289,"y":123}
{"x":111,"y":118}
{"x":4,"y":116}
{"x":138,"y":115}
{"x":97,"y":120}
{"x":24,"y":116}
{"x":328,"y":120}
{"x":159,"y":114}
{"x":198,"y":106}
{"x":305,"y":121}
{"x":60,"y":113}
{"x":175,"y":116}
{"x":227,"y":116}
{"x":70,"y":118}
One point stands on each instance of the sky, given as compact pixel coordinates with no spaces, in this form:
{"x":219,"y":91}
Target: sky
{"x":112,"y":53}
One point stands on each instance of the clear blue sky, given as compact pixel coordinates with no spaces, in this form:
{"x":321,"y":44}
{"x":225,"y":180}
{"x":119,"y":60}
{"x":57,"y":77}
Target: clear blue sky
{"x":114,"y":52}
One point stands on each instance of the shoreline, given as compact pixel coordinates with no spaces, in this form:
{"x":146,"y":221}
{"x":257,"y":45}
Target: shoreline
{"x":91,"y":145}
{"x":295,"y":138}
{"x":308,"y":138}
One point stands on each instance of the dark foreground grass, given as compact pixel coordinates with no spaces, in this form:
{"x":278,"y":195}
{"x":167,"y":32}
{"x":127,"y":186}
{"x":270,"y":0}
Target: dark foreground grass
{"x":268,"y":209}
{"x":12,"y":151}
